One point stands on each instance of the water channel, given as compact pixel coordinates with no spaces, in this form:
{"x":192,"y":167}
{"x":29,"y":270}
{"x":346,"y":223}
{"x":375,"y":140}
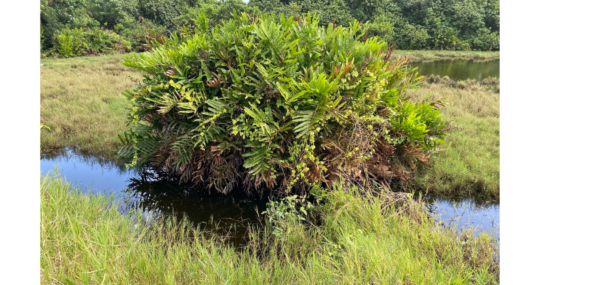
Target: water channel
{"x":459,"y":69}
{"x":216,"y":212}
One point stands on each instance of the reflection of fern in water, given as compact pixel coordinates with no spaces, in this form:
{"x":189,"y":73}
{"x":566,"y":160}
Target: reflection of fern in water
{"x":226,"y":217}
{"x":284,"y":104}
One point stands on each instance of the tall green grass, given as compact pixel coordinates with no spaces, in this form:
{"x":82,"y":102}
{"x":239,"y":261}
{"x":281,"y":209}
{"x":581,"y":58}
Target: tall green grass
{"x":469,"y":163}
{"x":359,"y":239}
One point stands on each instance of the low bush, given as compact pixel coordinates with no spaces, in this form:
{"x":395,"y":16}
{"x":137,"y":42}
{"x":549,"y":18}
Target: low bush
{"x":76,"y":42}
{"x":69,"y":42}
{"x":281,"y":103}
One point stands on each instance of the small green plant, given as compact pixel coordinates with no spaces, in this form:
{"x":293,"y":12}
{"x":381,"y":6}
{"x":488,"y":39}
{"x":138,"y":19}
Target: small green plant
{"x":292,"y":209}
{"x":70,"y":42}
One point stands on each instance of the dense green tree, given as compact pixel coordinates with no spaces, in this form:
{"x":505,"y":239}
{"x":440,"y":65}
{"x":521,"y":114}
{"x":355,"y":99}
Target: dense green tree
{"x":485,"y":40}
{"x":216,"y":11}
{"x":111,"y":12}
{"x":163,"y":12}
{"x":408,"y":24}
{"x":412,"y":37}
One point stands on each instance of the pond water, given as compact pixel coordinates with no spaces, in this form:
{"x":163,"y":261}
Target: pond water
{"x":459,"y":69}
{"x":215,"y":212}
{"x":225,"y":215}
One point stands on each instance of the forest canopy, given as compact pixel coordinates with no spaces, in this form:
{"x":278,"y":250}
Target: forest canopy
{"x":88,"y":27}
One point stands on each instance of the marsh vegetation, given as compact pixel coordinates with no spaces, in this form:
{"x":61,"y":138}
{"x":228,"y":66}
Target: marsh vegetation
{"x":187,"y":118}
{"x":468,"y":162}
{"x":360,"y":238}
{"x":81,"y":102}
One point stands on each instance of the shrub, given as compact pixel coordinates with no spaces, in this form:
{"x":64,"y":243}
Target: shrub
{"x":264,"y":102}
{"x":99,"y":40}
{"x":75,"y":42}
{"x":140,"y":34}
{"x":70,"y":42}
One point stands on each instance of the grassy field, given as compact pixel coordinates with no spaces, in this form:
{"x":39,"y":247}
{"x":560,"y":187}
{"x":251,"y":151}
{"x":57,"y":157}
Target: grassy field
{"x":360,"y":240}
{"x":422,"y":55}
{"x":469,"y":163}
{"x":81,"y":102}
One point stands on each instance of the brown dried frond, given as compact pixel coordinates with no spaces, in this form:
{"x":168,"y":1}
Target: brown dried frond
{"x":346,"y":152}
{"x":383,"y":112}
{"x":380,"y":164}
{"x":334,"y":72}
{"x":257,"y":181}
{"x":314,"y":173}
{"x":347,"y":67}
{"x":215,"y":83}
{"x":388,"y":54}
{"x":169,"y":159}
{"x":217,"y":159}
{"x":404,"y":60}
{"x":270,"y":182}
{"x":411,"y":153}
{"x":437,"y":104}
{"x":170,"y":72}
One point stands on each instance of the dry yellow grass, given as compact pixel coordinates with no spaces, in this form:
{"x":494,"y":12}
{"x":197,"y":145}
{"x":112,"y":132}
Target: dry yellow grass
{"x":81,"y":102}
{"x":421,"y":55}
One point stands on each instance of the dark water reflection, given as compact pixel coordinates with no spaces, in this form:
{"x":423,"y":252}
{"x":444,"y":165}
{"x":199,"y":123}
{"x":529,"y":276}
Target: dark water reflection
{"x":459,"y":69}
{"x":224,"y":215}
{"x":215,"y":212}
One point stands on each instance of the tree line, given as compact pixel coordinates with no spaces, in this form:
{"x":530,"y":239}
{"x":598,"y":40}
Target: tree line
{"x":84,"y":27}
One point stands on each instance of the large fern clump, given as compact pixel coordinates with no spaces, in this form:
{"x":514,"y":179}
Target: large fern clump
{"x":276,"y":103}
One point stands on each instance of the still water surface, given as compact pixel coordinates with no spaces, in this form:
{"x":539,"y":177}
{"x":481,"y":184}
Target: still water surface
{"x":459,"y":69}
{"x":218,"y":213}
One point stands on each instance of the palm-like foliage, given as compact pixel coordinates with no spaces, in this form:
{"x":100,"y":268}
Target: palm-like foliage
{"x":277,"y":102}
